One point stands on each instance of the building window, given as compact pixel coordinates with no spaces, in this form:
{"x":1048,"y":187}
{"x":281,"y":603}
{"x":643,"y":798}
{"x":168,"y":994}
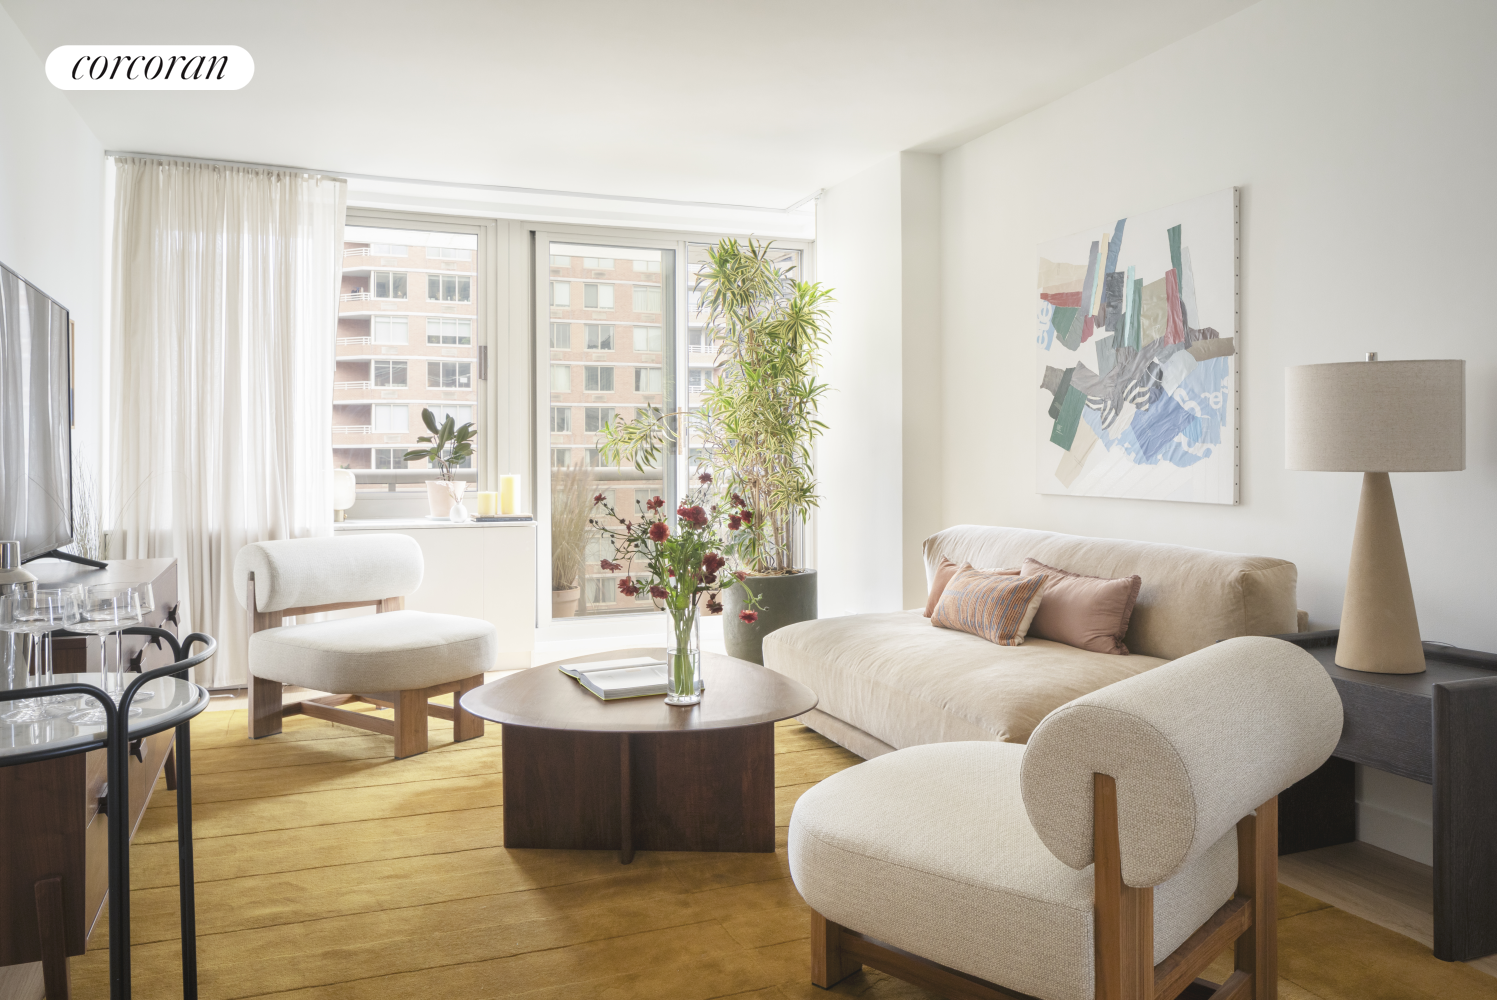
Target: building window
{"x":389,"y":458}
{"x":598,"y":263}
{"x":596,"y":296}
{"x":449,"y":288}
{"x":648,"y":380}
{"x":561,"y":378}
{"x":561,"y":293}
{"x":599,"y":337}
{"x":389,"y":285}
{"x":449,"y":330}
{"x":561,"y":420}
{"x":601,"y":589}
{"x":647,"y":298}
{"x":561,"y":336}
{"x":389,"y":249}
{"x":449,"y":375}
{"x":647,"y":338}
{"x":560,"y":260}
{"x":595,"y":418}
{"x":597,"y":378}
{"x":593,"y":458}
{"x":647,"y":265}
{"x":448,"y":253}
{"x":561,"y":458}
{"x":697,"y":379}
{"x":390,"y":374}
{"x":389,"y":329}
{"x":391,"y":418}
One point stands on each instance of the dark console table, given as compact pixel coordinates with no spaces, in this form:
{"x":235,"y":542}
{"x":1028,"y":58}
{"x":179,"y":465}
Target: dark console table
{"x":1438,"y":727}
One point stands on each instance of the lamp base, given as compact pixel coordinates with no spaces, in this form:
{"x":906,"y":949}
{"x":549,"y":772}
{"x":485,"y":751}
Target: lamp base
{"x":1379,"y":628}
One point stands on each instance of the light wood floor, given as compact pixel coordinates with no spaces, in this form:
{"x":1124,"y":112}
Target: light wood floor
{"x":327,"y":871}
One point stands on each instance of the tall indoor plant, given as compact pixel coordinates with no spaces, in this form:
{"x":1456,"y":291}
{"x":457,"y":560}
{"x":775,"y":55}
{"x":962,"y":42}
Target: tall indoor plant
{"x":571,"y":508}
{"x":758,"y":420}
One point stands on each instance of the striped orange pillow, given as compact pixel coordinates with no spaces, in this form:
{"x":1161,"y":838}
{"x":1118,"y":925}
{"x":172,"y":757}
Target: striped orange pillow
{"x":998,"y":608}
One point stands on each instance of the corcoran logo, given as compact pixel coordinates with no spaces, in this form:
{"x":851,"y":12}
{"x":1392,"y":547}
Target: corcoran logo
{"x":149,"y":67}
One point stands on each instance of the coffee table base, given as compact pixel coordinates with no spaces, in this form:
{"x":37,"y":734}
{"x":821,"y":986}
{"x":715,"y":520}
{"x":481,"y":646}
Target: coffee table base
{"x":701,"y":790}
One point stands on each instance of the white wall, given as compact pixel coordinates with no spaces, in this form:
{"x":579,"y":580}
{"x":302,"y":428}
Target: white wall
{"x":879,"y":473}
{"x":1363,"y":138}
{"x":51,"y":212}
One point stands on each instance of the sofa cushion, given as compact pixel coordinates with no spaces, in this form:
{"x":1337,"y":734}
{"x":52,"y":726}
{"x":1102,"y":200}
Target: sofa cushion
{"x":1190,"y":598}
{"x":930,"y":850}
{"x":997,"y":608}
{"x":395,"y":651}
{"x":1087,"y":612}
{"x":905,"y":682}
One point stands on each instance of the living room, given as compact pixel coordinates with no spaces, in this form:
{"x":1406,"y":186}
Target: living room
{"x":558,"y":216}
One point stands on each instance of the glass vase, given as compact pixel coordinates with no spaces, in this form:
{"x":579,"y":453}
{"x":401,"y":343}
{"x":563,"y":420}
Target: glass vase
{"x":683,"y":657}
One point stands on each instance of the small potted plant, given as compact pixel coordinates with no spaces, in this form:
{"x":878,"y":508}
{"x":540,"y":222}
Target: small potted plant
{"x":684,"y":568}
{"x":447,"y":446}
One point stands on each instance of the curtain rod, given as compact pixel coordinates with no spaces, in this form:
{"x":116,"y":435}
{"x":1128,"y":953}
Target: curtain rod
{"x":480,"y":187}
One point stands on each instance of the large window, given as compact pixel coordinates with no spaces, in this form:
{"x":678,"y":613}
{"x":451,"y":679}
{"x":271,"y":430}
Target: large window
{"x":449,"y":330}
{"x":597,"y":378}
{"x":390,"y":374}
{"x":389,"y":285}
{"x":449,"y":375}
{"x":449,"y":288}
{"x":599,"y":337}
{"x":390,"y":329}
{"x":376,"y":421}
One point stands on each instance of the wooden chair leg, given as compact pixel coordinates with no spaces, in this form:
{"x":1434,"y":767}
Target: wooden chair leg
{"x":264,"y":707}
{"x":50,"y":929}
{"x":410,"y":723}
{"x":465,"y":725}
{"x":1125,"y":915}
{"x":1257,"y":949}
{"x":828,"y":965}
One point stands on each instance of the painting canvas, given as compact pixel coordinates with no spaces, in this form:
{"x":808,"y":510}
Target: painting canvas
{"x":1137,"y":368}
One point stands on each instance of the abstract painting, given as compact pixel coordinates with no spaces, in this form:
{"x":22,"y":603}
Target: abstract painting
{"x":1137,"y":364}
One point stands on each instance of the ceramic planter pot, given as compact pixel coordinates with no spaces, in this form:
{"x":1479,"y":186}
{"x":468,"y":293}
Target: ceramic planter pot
{"x":783,"y":600}
{"x":564,"y":602}
{"x":440,"y":495}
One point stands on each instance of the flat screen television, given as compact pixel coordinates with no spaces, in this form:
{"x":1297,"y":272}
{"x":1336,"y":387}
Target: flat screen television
{"x":36,"y":418}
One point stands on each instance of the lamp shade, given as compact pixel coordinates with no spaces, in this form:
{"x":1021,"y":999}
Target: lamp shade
{"x":1376,"y":416}
{"x":345,"y":489}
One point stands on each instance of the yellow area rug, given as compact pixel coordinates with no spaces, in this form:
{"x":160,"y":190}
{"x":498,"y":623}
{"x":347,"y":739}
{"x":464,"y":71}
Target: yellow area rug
{"x":328,"y":870}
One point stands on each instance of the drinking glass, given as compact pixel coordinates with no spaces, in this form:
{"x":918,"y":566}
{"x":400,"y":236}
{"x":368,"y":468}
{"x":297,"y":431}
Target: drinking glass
{"x":108,"y":607}
{"x":38,"y":613}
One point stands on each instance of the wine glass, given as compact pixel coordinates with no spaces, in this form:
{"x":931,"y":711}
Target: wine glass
{"x":37,"y":613}
{"x":108,"y":607}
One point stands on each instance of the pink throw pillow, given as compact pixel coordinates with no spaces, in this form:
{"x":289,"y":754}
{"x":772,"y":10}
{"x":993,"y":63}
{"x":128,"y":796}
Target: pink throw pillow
{"x":1088,"y":612}
{"x":944,"y":573}
{"x":996,"y":606}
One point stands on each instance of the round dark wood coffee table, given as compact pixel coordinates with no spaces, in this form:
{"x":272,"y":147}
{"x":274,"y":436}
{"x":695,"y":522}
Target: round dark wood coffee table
{"x":581,"y":773}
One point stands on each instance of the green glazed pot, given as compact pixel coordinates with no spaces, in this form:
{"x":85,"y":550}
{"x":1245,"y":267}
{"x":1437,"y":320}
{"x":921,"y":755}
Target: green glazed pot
{"x":783,"y":600}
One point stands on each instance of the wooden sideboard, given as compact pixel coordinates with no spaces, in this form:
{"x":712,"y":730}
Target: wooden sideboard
{"x":53,"y":824}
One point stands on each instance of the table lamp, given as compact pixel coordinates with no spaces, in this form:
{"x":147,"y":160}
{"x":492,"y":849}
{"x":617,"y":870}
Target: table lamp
{"x":345,"y":492}
{"x":1377,"y":417}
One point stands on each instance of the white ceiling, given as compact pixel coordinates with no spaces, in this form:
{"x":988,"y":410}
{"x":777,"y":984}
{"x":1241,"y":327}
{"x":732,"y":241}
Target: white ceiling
{"x":757,"y":103}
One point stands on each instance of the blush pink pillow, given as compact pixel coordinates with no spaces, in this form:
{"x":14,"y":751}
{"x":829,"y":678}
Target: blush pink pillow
{"x":944,"y":573}
{"x":1088,"y":612}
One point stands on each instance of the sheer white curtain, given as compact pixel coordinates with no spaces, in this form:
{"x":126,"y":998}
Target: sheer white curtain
{"x":224,"y":292}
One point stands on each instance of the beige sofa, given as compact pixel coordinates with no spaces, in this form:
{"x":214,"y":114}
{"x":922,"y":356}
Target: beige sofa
{"x":892,"y":680}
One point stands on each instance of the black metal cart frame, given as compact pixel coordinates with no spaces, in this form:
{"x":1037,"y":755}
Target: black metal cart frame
{"x":116,"y":743}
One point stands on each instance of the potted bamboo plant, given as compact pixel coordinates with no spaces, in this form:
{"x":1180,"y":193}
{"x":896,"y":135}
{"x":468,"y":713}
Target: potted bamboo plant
{"x":446,"y":446}
{"x":758,"y":420}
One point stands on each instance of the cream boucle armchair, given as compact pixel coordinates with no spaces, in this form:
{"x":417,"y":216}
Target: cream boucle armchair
{"x":1113,"y":857}
{"x":394,"y":658}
